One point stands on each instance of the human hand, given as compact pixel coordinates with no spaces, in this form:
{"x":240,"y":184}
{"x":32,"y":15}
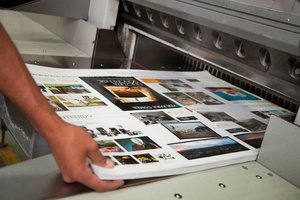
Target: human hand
{"x":72,"y":148}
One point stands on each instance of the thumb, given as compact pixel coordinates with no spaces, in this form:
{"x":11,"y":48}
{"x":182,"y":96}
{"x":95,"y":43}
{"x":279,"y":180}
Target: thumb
{"x":97,"y":158}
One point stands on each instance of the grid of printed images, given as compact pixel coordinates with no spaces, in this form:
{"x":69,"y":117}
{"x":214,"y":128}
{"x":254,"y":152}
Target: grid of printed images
{"x":206,"y":148}
{"x":134,"y":144}
{"x":65,"y":97}
{"x":196,"y":120}
{"x":128,"y":93}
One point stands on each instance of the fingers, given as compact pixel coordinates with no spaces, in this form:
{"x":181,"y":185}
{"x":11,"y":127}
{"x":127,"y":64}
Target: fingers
{"x":97,"y":158}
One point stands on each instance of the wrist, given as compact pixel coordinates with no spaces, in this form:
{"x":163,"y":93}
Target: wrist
{"x":47,"y":122}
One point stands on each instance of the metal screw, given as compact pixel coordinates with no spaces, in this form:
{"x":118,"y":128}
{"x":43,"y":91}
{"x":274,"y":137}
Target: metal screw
{"x":258,"y":176}
{"x":297,"y":71}
{"x":178,"y":196}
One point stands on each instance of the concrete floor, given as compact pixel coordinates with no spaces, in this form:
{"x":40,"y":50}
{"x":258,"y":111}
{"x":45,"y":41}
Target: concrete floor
{"x":12,"y":153}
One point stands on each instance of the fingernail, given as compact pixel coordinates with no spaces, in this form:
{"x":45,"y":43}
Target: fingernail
{"x":109,"y":163}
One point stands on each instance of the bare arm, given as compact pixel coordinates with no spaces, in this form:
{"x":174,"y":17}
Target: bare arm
{"x":70,"y":145}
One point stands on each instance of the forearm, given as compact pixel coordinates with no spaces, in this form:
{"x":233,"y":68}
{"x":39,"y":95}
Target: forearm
{"x":17,"y":84}
{"x":71,"y":146}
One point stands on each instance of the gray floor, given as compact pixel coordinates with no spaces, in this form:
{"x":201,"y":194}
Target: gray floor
{"x":13,"y":145}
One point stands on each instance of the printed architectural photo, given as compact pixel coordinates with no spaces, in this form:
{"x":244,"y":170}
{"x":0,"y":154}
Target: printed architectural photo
{"x":149,"y":118}
{"x":237,"y":130}
{"x":181,"y":98}
{"x":43,"y":89}
{"x":169,"y":81}
{"x":204,"y":98}
{"x":118,"y":130}
{"x":189,"y":130}
{"x":137,"y":143}
{"x":232,"y":94}
{"x":176,"y":86}
{"x":278,"y":113}
{"x":252,"y":124}
{"x":217,"y":116}
{"x":192,"y":80}
{"x":81,"y":101}
{"x":106,"y":146}
{"x":67,"y":88}
{"x":206,"y":148}
{"x":126,"y":160}
{"x":146,"y":158}
{"x":129,"y":93}
{"x":187,"y":118}
{"x":260,"y":114}
{"x":253,"y":139}
{"x":133,"y":94}
{"x":55,"y":103}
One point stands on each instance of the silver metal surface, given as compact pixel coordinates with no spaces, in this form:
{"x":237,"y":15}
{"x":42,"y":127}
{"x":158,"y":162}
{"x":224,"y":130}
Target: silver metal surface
{"x":280,"y":149}
{"x":51,"y":40}
{"x":78,"y":9}
{"x":264,"y":84}
{"x":248,"y":181}
{"x":246,"y":51}
{"x":103,"y":14}
{"x":268,"y":32}
{"x":40,"y":179}
{"x":35,"y":179}
{"x":278,"y":10}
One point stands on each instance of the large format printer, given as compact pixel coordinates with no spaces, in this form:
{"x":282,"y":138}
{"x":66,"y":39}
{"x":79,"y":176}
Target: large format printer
{"x":254,"y":45}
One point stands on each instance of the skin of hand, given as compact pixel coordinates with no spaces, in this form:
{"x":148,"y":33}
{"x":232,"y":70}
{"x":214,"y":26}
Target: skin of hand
{"x":71,"y":146}
{"x":75,"y":142}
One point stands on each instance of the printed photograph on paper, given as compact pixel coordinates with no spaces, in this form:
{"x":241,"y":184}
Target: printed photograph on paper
{"x":232,"y":94}
{"x":118,"y":130}
{"x":137,"y":143}
{"x":181,"y":98}
{"x":253,"y":139}
{"x":43,"y":89}
{"x":189,"y":130}
{"x":149,"y":118}
{"x":174,"y":87}
{"x":126,"y":160}
{"x":278,"y":113}
{"x":217,"y":116}
{"x":252,"y":124}
{"x":55,"y":103}
{"x":168,"y":81}
{"x":260,"y":114}
{"x":129,"y":93}
{"x":204,"y":98}
{"x":207,"y":148}
{"x":107,"y":146}
{"x":67,"y":88}
{"x":187,"y":118}
{"x":237,"y":130}
{"x":146,"y":158}
{"x":81,"y":101}
{"x":164,"y":156}
{"x":192,"y":80}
